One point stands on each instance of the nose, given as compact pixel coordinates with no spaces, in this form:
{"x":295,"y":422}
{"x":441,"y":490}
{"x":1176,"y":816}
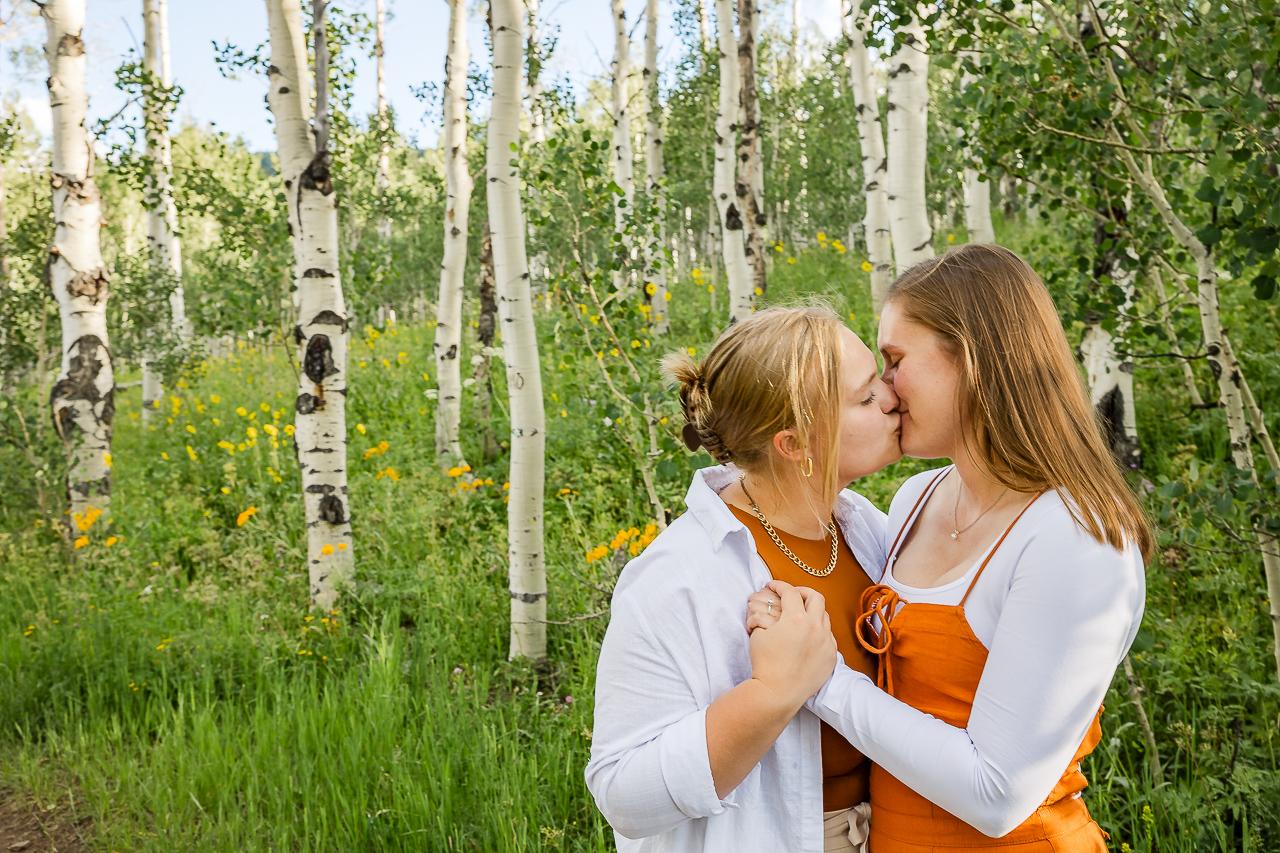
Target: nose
{"x":887,"y":396}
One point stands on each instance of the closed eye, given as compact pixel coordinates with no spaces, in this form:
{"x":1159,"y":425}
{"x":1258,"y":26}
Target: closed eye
{"x":870,"y":399}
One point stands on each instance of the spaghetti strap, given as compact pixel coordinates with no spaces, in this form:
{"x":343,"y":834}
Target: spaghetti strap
{"x":911,"y":516}
{"x":996,"y":547}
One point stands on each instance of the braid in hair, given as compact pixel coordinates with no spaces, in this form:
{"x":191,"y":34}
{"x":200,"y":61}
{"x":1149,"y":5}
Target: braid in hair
{"x":695,"y":403}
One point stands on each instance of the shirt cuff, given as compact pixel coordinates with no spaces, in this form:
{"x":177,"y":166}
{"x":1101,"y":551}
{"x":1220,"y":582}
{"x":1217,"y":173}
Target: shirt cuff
{"x":686,"y":768}
{"x":839,"y":686}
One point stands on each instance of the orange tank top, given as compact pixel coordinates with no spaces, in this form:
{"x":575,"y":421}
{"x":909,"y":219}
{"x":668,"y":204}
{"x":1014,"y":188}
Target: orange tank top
{"x":845,"y":771}
{"x":930,"y":659}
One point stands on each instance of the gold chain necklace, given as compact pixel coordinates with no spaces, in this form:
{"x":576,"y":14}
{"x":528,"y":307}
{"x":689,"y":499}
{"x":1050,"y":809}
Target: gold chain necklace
{"x":956,"y":529}
{"x":831,"y":531}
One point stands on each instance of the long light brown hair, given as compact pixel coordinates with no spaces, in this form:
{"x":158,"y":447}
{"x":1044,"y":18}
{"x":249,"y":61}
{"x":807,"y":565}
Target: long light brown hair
{"x":1024,"y":411}
{"x":777,"y":370}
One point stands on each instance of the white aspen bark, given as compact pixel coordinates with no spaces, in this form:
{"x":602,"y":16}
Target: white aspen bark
{"x":794,"y":71}
{"x":83,"y":398}
{"x":704,"y":29}
{"x":162,"y":214}
{"x":875,"y":161}
{"x":448,"y":339}
{"x":528,"y":575}
{"x":320,"y":437}
{"x":977,"y":191}
{"x":750,"y":184}
{"x":1111,"y":381}
{"x":908,"y":143}
{"x":1256,"y":416}
{"x":383,"y":180}
{"x":741,"y":297}
{"x":623,"y":157}
{"x":655,"y":172}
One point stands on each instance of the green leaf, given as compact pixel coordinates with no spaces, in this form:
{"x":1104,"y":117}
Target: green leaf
{"x":1172,"y":489}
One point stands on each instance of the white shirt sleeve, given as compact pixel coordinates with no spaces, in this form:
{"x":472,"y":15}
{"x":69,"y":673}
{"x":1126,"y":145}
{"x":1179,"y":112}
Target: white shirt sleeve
{"x":1071,"y":612}
{"x":650,"y":769}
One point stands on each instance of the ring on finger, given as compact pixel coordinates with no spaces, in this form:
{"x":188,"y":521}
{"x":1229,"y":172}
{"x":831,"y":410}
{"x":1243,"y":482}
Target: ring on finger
{"x":768,"y":611}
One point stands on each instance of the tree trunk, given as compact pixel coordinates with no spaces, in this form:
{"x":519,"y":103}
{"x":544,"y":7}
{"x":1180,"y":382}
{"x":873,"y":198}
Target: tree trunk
{"x":977,"y":191}
{"x":623,"y":158}
{"x":875,"y":162}
{"x":1188,"y":375}
{"x":320,"y":437}
{"x":655,"y":172}
{"x":908,"y":142}
{"x":448,"y":340}
{"x":704,"y":31}
{"x":83,"y":398}
{"x":741,"y":297}
{"x":483,"y":360}
{"x":528,"y":576}
{"x":383,"y":181}
{"x":750,"y":184}
{"x":162,"y":214}
{"x":794,"y":72}
{"x":537,"y":136}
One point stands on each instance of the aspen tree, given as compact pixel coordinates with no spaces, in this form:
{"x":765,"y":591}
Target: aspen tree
{"x":750,"y":184}
{"x":1111,"y":381}
{"x":162,"y":213}
{"x":528,"y":576}
{"x":741,"y":298}
{"x":623,"y":157}
{"x":486,"y":324}
{"x":448,"y":337}
{"x":655,"y":173}
{"x":908,"y":141}
{"x":704,"y":31}
{"x":537,"y":136}
{"x":83,"y":398}
{"x":977,"y":193}
{"x":320,"y":436}
{"x":875,"y":161}
{"x":383,"y":180}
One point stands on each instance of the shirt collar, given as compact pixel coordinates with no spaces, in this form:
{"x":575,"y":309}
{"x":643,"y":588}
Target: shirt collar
{"x":703,"y":501}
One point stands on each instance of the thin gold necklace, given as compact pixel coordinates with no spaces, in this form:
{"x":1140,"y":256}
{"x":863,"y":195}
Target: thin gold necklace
{"x":955,"y":513}
{"x":831,"y":531}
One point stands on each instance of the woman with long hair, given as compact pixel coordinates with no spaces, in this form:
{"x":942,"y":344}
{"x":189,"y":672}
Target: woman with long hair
{"x":1013,"y":582}
{"x":697,"y":745}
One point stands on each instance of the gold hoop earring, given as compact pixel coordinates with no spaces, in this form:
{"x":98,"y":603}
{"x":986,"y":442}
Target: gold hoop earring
{"x":809,"y":473}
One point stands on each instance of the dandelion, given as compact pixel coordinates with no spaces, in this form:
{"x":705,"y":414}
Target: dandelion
{"x":242,"y":447}
{"x":192,"y":453}
{"x":455,"y":472}
{"x":635,"y":344}
{"x":270,"y":429}
{"x":563,"y":413}
{"x":791,"y":260}
{"x":386,"y":363}
{"x":81,"y":542}
{"x":214,"y":398}
{"x":164,"y":456}
{"x":711,"y":288}
{"x":191,"y":429}
{"x":614,"y":352}
{"x":217,"y":422}
{"x":666,"y":296}
{"x":288,"y":429}
{"x":264,"y":407}
{"x":225,"y":490}
{"x":227,"y":446}
{"x":692,"y":351}
{"x":106,"y":457}
{"x":759,"y":292}
{"x":251,"y":432}
{"x":951,"y":238}
{"x":242,"y":411}
{"x":360,"y":429}
{"x":111,"y":540}
{"x":696,"y":273}
{"x":866,"y":266}
{"x":325,"y":549}
{"x":246,"y":515}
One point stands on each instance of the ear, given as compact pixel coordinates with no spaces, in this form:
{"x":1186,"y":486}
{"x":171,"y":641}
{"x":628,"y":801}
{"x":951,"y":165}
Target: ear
{"x":787,"y":443}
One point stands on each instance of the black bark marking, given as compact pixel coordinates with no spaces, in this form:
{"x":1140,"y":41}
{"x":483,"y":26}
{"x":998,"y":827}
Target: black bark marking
{"x":316,"y":176}
{"x":316,"y":272}
{"x":90,"y":284}
{"x":332,"y":510}
{"x":320,"y":489}
{"x":70,"y":45}
{"x":284,"y":90}
{"x":298,"y":337}
{"x":307,"y":404}
{"x":80,"y":385}
{"x":732,"y":219}
{"x":528,"y":597}
{"x":1111,"y":411}
{"x":452,"y":352}
{"x":329,"y":318}
{"x":318,"y":361}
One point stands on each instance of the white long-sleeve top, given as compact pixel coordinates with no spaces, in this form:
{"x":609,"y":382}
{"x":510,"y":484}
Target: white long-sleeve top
{"x":1057,"y":611}
{"x":676,"y":642}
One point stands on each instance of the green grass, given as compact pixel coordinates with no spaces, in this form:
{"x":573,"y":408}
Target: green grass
{"x":175,"y":688}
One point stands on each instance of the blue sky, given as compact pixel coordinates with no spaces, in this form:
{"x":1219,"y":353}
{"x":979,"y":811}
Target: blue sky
{"x":416,"y":41}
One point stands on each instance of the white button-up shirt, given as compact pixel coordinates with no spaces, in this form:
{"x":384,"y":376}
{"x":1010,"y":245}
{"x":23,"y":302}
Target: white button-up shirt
{"x":676,"y":642}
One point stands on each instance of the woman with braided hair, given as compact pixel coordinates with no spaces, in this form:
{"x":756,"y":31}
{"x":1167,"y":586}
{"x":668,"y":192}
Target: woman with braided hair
{"x":695,"y":748}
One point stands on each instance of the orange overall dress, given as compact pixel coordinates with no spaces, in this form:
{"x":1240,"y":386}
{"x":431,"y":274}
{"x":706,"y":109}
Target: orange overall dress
{"x":931,"y":660}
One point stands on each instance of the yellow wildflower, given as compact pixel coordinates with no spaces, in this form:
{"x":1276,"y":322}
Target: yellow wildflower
{"x":251,"y":432}
{"x":866,"y":266}
{"x":666,"y":296}
{"x":192,"y":453}
{"x":455,"y":472}
{"x":270,"y":429}
{"x":214,"y":398}
{"x":288,"y":429}
{"x":81,"y":542}
{"x":246,"y":515}
{"x":164,"y":456}
{"x":111,"y":540}
{"x":191,"y":429}
{"x":106,"y":457}
{"x":264,"y":407}
{"x":225,"y":490}
{"x":326,"y":550}
{"x":791,"y":260}
{"x":394,"y":475}
{"x":241,"y":411}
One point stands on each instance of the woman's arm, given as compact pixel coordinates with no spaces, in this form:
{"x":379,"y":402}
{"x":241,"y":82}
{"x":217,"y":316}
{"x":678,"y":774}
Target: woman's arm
{"x":1065,"y":624}
{"x":657,"y":757}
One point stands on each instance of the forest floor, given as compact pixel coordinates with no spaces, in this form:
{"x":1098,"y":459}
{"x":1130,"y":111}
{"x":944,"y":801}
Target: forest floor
{"x":168,"y":688}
